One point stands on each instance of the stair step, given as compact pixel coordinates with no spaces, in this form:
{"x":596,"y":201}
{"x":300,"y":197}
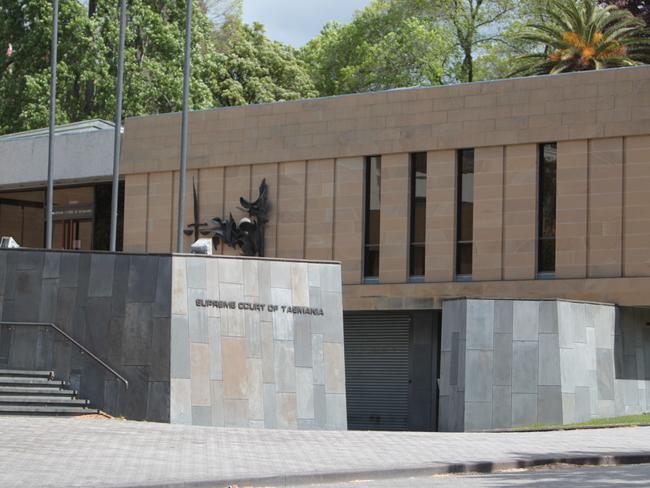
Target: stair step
{"x":9,"y":380}
{"x":20,"y":372}
{"x":40,"y":410}
{"x":55,"y":390}
{"x":41,"y":400}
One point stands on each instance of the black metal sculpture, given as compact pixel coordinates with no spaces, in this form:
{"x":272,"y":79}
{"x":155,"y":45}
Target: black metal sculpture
{"x":197,"y":226}
{"x":248,"y":235}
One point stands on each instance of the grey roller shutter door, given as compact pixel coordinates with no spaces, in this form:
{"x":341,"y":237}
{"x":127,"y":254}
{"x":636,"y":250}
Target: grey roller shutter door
{"x":377,"y":370}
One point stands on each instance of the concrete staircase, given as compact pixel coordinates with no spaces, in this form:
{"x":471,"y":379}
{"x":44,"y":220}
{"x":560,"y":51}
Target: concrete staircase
{"x":38,"y":393}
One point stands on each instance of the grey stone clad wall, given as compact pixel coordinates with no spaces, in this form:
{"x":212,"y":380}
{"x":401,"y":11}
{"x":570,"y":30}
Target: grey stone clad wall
{"x":117,"y":305}
{"x":517,"y":362}
{"x":632,"y":361}
{"x":184,"y":363}
{"x":257,"y":368}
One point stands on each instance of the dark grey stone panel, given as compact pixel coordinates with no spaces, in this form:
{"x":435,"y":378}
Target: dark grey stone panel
{"x":501,"y":407}
{"x":503,"y":316}
{"x":160,"y":350}
{"x":30,"y":261}
{"x":133,"y":404}
{"x":583,"y":404}
{"x":112,"y":392}
{"x":158,"y":401}
{"x":100,"y":282}
{"x":548,"y":317}
{"x":114,"y":338}
{"x":120,"y":287}
{"x":51,"y":265}
{"x":79,"y":322}
{"x":605,"y":371}
{"x":98,"y":318}
{"x":83,"y":279}
{"x":478,"y":384}
{"x":503,"y":360}
{"x":48,"y":304}
{"x":44,"y":346}
{"x":549,"y":360}
{"x":163,"y":304}
{"x":10,"y":277}
{"x":3,"y":272}
{"x":69,"y":269}
{"x":91,"y":381}
{"x":524,"y":367}
{"x":62,"y":352}
{"x":137,"y":333}
{"x":453,"y":375}
{"x":524,"y":409}
{"x":28,"y":295}
{"x":525,"y":320}
{"x":480,"y":324}
{"x":23,"y":348}
{"x":478,"y":415}
{"x":549,"y":405}
{"x":143,"y":275}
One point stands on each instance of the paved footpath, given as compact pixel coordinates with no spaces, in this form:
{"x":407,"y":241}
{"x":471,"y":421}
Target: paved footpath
{"x":53,"y":452}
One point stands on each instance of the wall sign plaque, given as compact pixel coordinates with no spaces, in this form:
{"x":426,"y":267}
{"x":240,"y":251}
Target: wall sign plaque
{"x":259,"y":307}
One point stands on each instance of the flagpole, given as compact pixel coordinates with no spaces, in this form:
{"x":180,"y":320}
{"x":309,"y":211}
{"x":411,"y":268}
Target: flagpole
{"x":50,"y":152}
{"x":118,"y":128}
{"x":186,"y":96}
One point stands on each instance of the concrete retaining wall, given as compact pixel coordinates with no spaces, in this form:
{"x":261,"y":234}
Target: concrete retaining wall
{"x":513,"y":362}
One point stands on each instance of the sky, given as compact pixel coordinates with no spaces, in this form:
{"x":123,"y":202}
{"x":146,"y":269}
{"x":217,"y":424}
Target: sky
{"x":297,"y":21}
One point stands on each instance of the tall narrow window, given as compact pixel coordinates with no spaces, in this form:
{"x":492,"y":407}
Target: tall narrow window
{"x":546,"y":211}
{"x":465,"y":216}
{"x":373,"y":185}
{"x":418,"y":213}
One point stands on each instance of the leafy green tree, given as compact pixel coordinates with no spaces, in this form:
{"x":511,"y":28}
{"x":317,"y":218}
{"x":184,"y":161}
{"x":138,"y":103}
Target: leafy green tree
{"x":583,"y":36}
{"x":390,"y":43}
{"x":25,"y":26}
{"x":254,"y":69}
{"x":234,"y":66}
{"x":477,"y":26}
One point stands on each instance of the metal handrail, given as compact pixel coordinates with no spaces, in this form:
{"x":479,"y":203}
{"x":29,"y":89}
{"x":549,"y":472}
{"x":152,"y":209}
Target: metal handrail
{"x":81,"y":347}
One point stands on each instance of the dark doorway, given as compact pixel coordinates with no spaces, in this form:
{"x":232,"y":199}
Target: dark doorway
{"x":391,"y":367}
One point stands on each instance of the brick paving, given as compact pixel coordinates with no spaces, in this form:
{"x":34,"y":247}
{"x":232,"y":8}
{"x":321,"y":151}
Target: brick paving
{"x":59,"y":452}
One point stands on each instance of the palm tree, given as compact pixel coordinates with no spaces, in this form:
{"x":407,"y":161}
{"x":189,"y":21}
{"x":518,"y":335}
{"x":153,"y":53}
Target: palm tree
{"x":581,"y":35}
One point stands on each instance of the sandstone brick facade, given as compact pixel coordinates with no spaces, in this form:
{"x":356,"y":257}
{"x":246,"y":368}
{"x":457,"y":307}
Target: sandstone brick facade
{"x":312,"y":154}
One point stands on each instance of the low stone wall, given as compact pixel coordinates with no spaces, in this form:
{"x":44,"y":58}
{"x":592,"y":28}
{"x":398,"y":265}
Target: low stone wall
{"x":210,"y":340}
{"x":508,"y":363}
{"x":257,"y":343}
{"x":117,"y":305}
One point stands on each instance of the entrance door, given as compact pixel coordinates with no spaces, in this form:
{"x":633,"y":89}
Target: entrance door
{"x":391,"y":365}
{"x":73,"y":234}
